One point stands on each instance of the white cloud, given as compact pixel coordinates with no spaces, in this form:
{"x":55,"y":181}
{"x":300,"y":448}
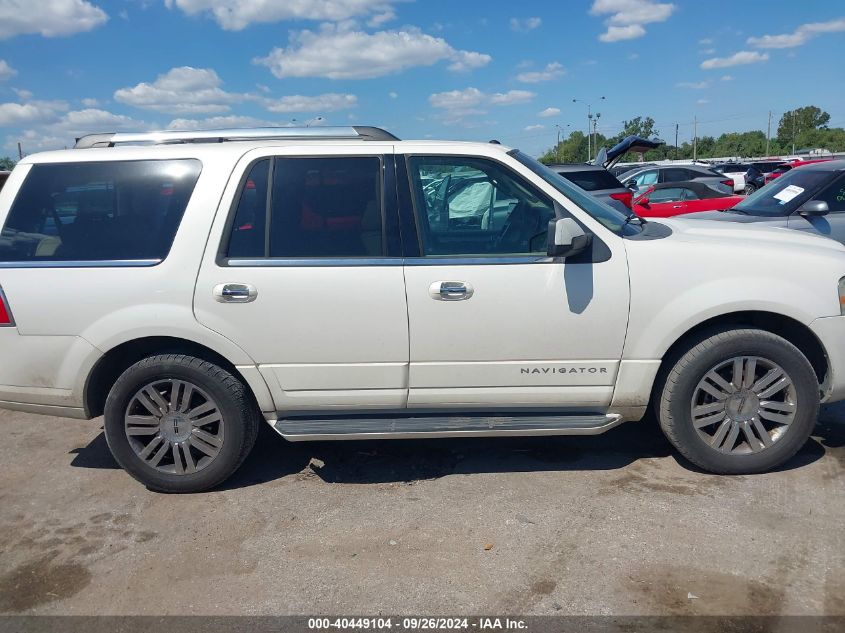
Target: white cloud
{"x":90,"y":103}
{"x":235,"y":15}
{"x":512,"y":97}
{"x":633,"y":56}
{"x":15,"y":114}
{"x":532,"y":128}
{"x":329,"y":102}
{"x":627,"y":17}
{"x":51,"y":18}
{"x":702,"y":101}
{"x":6,"y":71}
{"x":23,"y":94}
{"x":726,"y":78}
{"x":704,"y":41}
{"x":183,"y":90}
{"x":63,"y":131}
{"x":799,"y":36}
{"x":708,"y":51}
{"x":380,"y":19}
{"x":223,"y":122}
{"x":737,"y":59}
{"x":550,"y":72}
{"x":460,"y":104}
{"x":341,"y":52}
{"x":549,"y":112}
{"x":523,"y":25}
{"x":393,"y":95}
{"x":695,"y":85}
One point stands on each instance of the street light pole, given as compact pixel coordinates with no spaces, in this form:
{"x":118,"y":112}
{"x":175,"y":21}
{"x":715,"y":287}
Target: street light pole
{"x":589,"y":122}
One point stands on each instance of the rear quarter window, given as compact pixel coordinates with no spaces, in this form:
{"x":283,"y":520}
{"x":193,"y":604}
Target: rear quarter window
{"x":98,"y":211}
{"x":593,"y":179}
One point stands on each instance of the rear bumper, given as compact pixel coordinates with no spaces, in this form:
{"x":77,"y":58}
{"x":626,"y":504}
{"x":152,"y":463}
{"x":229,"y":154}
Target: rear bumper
{"x":831,"y":332}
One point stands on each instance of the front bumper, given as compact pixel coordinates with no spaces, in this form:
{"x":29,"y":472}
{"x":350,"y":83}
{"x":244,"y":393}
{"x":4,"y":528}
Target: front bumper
{"x":831,"y":332}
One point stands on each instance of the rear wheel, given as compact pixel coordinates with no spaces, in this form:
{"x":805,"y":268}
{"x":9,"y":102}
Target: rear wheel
{"x":749,"y":189}
{"x":739,"y":401}
{"x":178,"y":423}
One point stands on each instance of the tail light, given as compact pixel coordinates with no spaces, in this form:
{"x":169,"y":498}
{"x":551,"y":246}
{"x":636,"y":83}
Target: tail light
{"x":6,"y":319}
{"x":625,"y":198}
{"x":729,"y":182}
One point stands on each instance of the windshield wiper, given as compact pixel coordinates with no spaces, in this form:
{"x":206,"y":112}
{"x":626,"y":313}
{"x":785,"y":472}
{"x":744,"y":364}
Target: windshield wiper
{"x":735,"y":210}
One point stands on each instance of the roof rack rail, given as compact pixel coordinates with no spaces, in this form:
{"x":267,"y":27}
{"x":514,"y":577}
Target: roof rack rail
{"x":166,"y":137}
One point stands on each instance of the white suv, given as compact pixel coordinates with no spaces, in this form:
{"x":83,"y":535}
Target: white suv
{"x":343,"y":284}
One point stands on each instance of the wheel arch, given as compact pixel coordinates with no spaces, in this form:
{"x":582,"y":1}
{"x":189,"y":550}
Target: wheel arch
{"x":786,"y":327}
{"x":116,"y":360}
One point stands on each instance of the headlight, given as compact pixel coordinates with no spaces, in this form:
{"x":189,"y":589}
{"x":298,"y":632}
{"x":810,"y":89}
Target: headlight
{"x":842,"y":296}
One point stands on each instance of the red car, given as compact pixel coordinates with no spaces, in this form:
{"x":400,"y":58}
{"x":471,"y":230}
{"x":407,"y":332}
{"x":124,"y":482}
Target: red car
{"x":782,"y":169}
{"x":675,"y":198}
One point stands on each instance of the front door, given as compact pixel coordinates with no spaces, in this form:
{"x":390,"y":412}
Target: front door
{"x":303,"y":281}
{"x":494,"y":323}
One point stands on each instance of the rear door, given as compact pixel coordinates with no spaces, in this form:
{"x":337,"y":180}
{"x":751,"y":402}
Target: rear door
{"x":302,"y":271}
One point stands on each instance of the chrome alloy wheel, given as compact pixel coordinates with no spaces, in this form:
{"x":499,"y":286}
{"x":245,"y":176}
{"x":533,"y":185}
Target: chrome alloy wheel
{"x":174,"y":426}
{"x":743,"y":405}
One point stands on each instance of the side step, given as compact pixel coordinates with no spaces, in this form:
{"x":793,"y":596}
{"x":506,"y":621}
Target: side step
{"x":300,"y":429}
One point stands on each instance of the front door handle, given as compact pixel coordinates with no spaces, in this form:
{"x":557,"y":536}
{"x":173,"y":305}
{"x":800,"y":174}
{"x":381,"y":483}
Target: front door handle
{"x":235,"y":293}
{"x":450,"y":291}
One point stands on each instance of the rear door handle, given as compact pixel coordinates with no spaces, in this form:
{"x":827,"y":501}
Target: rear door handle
{"x":235,"y":293}
{"x":450,"y":291}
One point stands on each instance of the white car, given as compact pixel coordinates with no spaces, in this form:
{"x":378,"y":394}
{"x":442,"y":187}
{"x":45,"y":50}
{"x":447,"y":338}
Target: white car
{"x":187,"y":285}
{"x":736,"y":172}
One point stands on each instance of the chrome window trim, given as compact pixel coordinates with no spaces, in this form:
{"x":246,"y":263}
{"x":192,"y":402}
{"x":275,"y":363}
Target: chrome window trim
{"x":105,"y":263}
{"x":386,"y":261}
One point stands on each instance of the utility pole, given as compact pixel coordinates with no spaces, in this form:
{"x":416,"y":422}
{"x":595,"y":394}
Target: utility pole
{"x":676,"y":141}
{"x":20,"y":151}
{"x":768,"y":133}
{"x":596,"y":134}
{"x":695,"y":138}
{"x":793,"y":132}
{"x":560,"y":128}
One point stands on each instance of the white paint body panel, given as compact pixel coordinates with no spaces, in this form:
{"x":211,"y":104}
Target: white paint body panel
{"x":340,"y":339}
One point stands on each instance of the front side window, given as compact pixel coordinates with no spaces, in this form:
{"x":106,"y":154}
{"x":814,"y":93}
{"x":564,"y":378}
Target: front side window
{"x":834,"y":195}
{"x":97,"y":211}
{"x":671,"y":194}
{"x":646,"y":178}
{"x":476,"y":207}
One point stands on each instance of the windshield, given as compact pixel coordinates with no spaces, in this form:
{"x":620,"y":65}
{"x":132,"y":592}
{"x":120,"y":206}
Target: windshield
{"x":784,"y":195}
{"x":609,"y":217}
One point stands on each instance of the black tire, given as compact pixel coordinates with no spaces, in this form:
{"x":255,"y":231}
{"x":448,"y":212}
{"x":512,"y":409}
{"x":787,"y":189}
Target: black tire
{"x":675,"y":397}
{"x":237,"y":409}
{"x":749,"y":189}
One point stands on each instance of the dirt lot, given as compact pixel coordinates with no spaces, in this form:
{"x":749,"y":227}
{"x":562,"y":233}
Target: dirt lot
{"x":614,"y":524}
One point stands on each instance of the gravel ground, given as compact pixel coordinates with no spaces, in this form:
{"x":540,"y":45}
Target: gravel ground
{"x":614,"y":524}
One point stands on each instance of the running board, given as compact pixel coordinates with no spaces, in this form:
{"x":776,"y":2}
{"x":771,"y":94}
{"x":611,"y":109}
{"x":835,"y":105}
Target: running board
{"x":300,"y":429}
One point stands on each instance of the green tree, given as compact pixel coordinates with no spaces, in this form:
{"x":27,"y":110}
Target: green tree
{"x":7,"y":164}
{"x":801,"y":120}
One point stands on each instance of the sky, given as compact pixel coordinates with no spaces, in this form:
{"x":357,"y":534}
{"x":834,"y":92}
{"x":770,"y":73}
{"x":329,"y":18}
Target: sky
{"x":472,"y":70}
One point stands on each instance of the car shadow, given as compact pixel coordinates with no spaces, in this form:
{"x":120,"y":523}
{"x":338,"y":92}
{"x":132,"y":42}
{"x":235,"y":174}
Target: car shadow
{"x":403,"y":461}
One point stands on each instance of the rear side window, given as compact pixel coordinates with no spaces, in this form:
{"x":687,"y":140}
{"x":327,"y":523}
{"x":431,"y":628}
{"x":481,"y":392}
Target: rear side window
{"x":318,"y":208}
{"x":677,"y":174}
{"x":593,"y":179}
{"x":116,"y":210}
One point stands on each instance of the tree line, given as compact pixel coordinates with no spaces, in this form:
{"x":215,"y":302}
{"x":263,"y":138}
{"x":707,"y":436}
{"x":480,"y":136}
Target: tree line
{"x":803,"y":128}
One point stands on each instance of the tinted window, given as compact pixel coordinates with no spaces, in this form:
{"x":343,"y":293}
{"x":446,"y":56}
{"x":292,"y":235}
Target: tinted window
{"x":247,"y":233}
{"x":326,"y":207}
{"x":125,"y":210}
{"x":834,"y":195}
{"x":593,"y":179}
{"x":468,"y":206}
{"x":677,"y":174}
{"x":785,"y":194}
{"x":644,"y":178}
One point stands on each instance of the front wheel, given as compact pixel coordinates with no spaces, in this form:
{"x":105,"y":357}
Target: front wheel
{"x":749,"y":189}
{"x":739,"y":401}
{"x":178,"y":423}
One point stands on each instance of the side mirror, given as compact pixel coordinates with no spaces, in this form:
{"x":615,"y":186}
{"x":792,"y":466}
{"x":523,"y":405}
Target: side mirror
{"x":814,"y":208}
{"x":643,"y":201}
{"x":567,"y":238}
{"x":631,"y":184}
